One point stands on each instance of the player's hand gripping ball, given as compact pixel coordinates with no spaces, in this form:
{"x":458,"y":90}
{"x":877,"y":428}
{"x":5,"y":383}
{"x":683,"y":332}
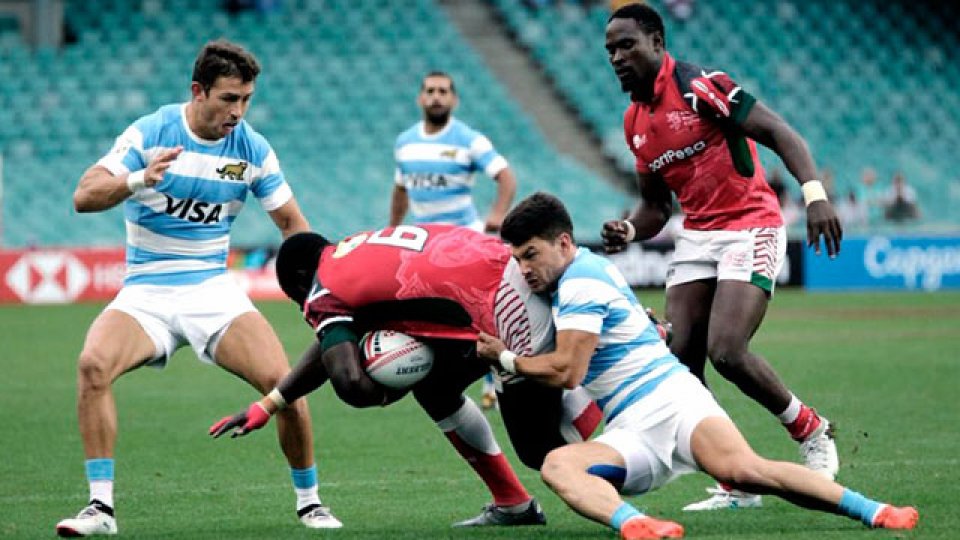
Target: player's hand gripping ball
{"x":395,"y":359}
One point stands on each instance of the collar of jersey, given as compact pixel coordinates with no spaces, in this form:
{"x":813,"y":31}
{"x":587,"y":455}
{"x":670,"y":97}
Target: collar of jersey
{"x":193,"y":136}
{"x":664,"y":77}
{"x":437,"y":135}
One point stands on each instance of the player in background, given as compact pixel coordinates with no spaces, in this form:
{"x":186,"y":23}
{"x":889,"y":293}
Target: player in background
{"x":661,"y":422}
{"x":692,"y":131}
{"x":182,"y":174}
{"x":436,"y":161}
{"x":442,"y":284}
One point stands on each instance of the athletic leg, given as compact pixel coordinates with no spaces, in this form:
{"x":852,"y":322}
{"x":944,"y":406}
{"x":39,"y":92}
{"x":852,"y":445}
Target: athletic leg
{"x":738,"y":310}
{"x":250,"y":349}
{"x":463,"y":423}
{"x":532,"y":415}
{"x":688,"y":310}
{"x":115,"y":344}
{"x":720,"y":449}
{"x":575,"y":473}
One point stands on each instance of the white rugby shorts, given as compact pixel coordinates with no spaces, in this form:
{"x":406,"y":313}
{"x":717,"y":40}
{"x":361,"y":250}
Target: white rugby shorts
{"x":653,"y":435}
{"x":174,"y":316}
{"x":752,"y":255}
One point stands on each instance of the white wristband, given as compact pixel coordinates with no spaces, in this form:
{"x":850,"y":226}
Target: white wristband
{"x":631,"y":230}
{"x":136,"y":181}
{"x":276,"y":398}
{"x":508,"y":361}
{"x":812,"y":192}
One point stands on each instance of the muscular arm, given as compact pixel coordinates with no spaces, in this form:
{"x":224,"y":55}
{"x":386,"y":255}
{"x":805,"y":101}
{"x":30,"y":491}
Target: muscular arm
{"x":398,"y":205}
{"x":648,"y":217}
{"x":289,"y":219}
{"x":100,"y":190}
{"x":654,"y":207}
{"x":506,"y":190}
{"x":769,"y":129}
{"x":772,"y":131}
{"x":308,"y":375}
{"x":565,"y":367}
{"x":343,"y":365}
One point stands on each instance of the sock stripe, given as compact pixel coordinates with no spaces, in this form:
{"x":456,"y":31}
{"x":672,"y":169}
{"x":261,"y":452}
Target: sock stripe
{"x":855,"y":505}
{"x":99,"y":469}
{"x":304,"y":478}
{"x":625,"y":512}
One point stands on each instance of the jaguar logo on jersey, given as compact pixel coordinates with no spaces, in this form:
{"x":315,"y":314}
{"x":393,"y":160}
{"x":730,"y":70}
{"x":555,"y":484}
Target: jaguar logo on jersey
{"x":233,"y":171}
{"x":193,"y":210}
{"x":449,"y":154}
{"x":670,"y":156}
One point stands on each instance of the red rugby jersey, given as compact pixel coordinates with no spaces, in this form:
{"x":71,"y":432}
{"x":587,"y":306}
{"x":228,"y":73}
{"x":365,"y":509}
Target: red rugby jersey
{"x":435,"y":281}
{"x":694,"y":145}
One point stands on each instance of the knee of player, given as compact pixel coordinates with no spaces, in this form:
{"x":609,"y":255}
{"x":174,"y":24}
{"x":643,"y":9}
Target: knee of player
{"x":726,"y":352}
{"x":557,"y":468}
{"x":94,"y":369}
{"x":266,"y":382}
{"x":742,"y":472}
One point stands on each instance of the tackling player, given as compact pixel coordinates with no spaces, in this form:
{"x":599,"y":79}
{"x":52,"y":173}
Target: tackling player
{"x":442,"y":284}
{"x":660,"y":421}
{"x":182,"y":174}
{"x":692,"y":131}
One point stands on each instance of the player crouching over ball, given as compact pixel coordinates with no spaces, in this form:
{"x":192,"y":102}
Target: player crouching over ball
{"x":441,"y":285}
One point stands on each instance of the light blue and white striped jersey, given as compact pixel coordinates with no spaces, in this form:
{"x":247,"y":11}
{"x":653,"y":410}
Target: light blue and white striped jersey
{"x":631,"y":359}
{"x":437,"y":170}
{"x":178,"y":232}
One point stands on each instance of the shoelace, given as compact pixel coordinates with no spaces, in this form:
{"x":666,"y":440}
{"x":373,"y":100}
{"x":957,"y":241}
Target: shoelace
{"x":89,"y":511}
{"x":319,"y":511}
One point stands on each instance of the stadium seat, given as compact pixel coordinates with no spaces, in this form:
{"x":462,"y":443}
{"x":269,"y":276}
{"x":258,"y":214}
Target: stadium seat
{"x":838,"y":70}
{"x":330,"y":108}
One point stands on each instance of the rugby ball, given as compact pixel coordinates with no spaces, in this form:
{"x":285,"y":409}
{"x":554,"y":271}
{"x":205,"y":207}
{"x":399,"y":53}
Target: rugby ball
{"x":395,"y":359}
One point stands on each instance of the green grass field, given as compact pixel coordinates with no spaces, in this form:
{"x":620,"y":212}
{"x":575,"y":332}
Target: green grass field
{"x":884,"y":367}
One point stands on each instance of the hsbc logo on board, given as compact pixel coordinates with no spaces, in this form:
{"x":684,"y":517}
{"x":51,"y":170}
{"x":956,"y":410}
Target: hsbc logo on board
{"x":47,"y":277}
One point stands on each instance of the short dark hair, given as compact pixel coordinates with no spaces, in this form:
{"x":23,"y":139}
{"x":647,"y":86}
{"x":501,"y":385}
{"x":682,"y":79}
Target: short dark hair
{"x":645,"y":16}
{"x":540,"y":215}
{"x":297,"y":263}
{"x":222,"y":58}
{"x":438,"y":73}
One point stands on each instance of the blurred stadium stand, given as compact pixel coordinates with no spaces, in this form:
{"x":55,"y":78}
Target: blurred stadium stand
{"x":867,"y":83}
{"x":339,"y":83}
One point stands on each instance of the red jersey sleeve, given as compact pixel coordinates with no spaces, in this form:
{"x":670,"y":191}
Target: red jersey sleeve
{"x":323,"y":308}
{"x":716,"y":96}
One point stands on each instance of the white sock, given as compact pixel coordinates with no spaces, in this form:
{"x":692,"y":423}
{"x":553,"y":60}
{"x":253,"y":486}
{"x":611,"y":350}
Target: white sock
{"x":791,"y":412}
{"x":471,"y":427}
{"x":307,"y":496}
{"x":305,"y":485}
{"x":102,"y":490}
